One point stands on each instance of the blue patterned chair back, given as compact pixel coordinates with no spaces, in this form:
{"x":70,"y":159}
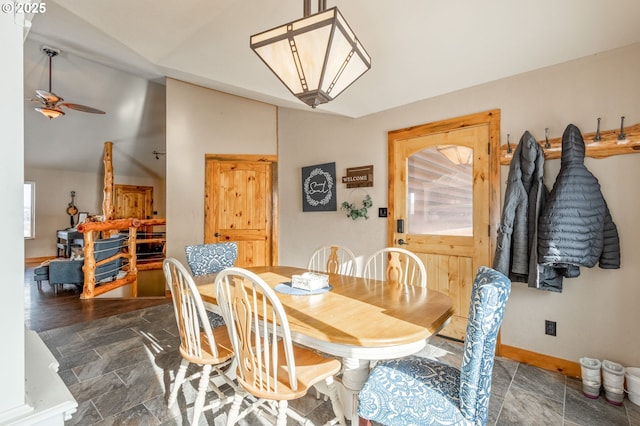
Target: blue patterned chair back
{"x":211,"y":258}
{"x":488,"y":300}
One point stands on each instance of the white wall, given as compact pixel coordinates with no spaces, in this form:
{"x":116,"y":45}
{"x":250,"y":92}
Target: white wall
{"x":12,"y":390}
{"x":53,"y":194}
{"x":202,"y":121}
{"x":596,"y":314}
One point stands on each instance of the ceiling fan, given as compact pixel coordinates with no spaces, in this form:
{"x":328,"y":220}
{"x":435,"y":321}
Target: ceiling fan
{"x":51,"y":103}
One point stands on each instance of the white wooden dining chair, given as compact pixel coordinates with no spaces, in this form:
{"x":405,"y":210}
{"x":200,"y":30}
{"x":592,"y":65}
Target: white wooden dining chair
{"x":396,"y":264}
{"x":270,"y":367}
{"x":199,"y":343}
{"x":334,"y":260}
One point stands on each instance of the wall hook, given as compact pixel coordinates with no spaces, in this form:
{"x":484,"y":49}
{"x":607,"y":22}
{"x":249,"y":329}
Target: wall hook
{"x":508,"y":145}
{"x":596,"y":138}
{"x":158,"y":154}
{"x":547,"y":145}
{"x":621,"y":135}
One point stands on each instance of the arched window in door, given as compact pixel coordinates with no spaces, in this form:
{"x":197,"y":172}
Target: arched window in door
{"x":440,"y":191}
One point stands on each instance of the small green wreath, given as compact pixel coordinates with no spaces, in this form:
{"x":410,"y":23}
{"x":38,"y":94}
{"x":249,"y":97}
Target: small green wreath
{"x":354,"y":212}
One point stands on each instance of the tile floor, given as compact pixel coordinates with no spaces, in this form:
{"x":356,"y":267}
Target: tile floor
{"x":120,"y":369}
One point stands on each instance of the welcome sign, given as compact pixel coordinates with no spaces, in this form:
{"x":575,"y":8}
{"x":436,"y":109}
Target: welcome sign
{"x":358,"y":177}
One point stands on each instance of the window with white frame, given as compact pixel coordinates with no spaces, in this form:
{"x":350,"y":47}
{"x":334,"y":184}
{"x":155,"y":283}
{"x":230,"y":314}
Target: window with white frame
{"x":29,"y":209}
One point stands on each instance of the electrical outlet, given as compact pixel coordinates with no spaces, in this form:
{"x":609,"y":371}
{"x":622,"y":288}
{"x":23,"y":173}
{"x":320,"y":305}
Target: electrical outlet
{"x":550,"y":327}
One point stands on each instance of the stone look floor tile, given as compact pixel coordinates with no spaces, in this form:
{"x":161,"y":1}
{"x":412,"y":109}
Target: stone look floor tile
{"x":138,"y":415}
{"x":495,"y":406}
{"x":503,"y":372}
{"x":529,"y":408}
{"x":86,"y":414}
{"x":96,"y":342}
{"x":111,"y":363}
{"x":540,"y":382}
{"x":120,"y":370}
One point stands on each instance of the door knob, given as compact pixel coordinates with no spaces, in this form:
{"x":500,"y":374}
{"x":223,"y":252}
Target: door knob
{"x":402,"y":242}
{"x":217,"y":234}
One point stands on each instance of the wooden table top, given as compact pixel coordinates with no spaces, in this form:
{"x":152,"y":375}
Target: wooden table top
{"x":357,"y":311}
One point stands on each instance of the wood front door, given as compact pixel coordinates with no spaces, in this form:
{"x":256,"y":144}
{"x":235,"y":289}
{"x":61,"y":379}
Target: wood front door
{"x":133,"y":201}
{"x":444,"y":202}
{"x":240,"y":206}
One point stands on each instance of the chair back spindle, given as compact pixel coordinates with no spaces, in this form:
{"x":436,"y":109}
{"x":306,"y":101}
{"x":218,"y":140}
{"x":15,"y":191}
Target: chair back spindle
{"x":333,"y":260}
{"x":396,"y":265}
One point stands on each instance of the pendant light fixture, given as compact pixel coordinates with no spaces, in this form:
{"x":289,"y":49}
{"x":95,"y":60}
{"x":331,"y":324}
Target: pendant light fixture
{"x":316,"y":57}
{"x":457,"y":154}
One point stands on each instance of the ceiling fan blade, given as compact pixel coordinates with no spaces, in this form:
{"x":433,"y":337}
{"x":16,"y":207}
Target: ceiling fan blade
{"x":48,"y":97}
{"x":82,"y":108}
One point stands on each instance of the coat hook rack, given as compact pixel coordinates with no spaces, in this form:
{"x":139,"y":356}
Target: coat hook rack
{"x":547,"y":145}
{"x":621,"y":135}
{"x":158,"y":154}
{"x":599,"y":144}
{"x":597,"y":137}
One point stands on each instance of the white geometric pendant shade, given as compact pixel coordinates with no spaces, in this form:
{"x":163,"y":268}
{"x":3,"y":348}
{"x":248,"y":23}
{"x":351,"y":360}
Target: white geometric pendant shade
{"x":316,"y":57}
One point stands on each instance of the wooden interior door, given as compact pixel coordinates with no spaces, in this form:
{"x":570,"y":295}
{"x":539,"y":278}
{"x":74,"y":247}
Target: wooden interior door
{"x":444,"y":188}
{"x":133,"y":201}
{"x":240,"y":206}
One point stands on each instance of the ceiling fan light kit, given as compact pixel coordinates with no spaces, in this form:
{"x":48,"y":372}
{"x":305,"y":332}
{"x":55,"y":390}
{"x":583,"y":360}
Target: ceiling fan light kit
{"x":50,"y":112}
{"x":52,"y":103}
{"x":316,"y":57}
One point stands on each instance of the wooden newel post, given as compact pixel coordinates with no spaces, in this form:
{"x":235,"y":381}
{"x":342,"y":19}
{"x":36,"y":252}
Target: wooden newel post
{"x":133,"y":268}
{"x":107,"y":199}
{"x":89,"y":266}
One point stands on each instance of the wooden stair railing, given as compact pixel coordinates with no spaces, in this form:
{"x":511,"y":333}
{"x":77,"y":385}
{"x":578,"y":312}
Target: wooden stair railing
{"x":156,"y":263}
{"x":93,"y":229}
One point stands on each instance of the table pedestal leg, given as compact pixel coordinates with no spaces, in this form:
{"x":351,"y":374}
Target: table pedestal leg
{"x":354,"y":375}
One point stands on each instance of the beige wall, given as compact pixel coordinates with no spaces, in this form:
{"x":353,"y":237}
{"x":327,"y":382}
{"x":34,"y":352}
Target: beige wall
{"x":199,"y":122}
{"x":53,"y":194}
{"x":597,"y":314}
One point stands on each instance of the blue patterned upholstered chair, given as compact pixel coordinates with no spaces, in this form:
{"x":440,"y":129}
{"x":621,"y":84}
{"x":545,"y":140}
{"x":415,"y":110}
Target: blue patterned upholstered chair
{"x":209,"y":259}
{"x":415,"y":390}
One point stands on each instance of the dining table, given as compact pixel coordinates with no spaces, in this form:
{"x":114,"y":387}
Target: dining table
{"x":357,"y":319}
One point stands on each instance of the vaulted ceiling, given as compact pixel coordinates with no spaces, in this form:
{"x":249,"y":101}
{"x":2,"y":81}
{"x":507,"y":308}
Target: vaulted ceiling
{"x":419,"y":48}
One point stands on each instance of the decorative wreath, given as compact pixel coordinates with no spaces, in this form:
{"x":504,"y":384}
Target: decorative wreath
{"x":327,"y":191}
{"x":353,"y":212}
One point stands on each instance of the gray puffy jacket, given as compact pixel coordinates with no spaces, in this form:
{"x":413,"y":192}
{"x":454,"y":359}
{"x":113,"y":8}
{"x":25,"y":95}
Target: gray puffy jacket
{"x":517,"y":245}
{"x":575,"y":227}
